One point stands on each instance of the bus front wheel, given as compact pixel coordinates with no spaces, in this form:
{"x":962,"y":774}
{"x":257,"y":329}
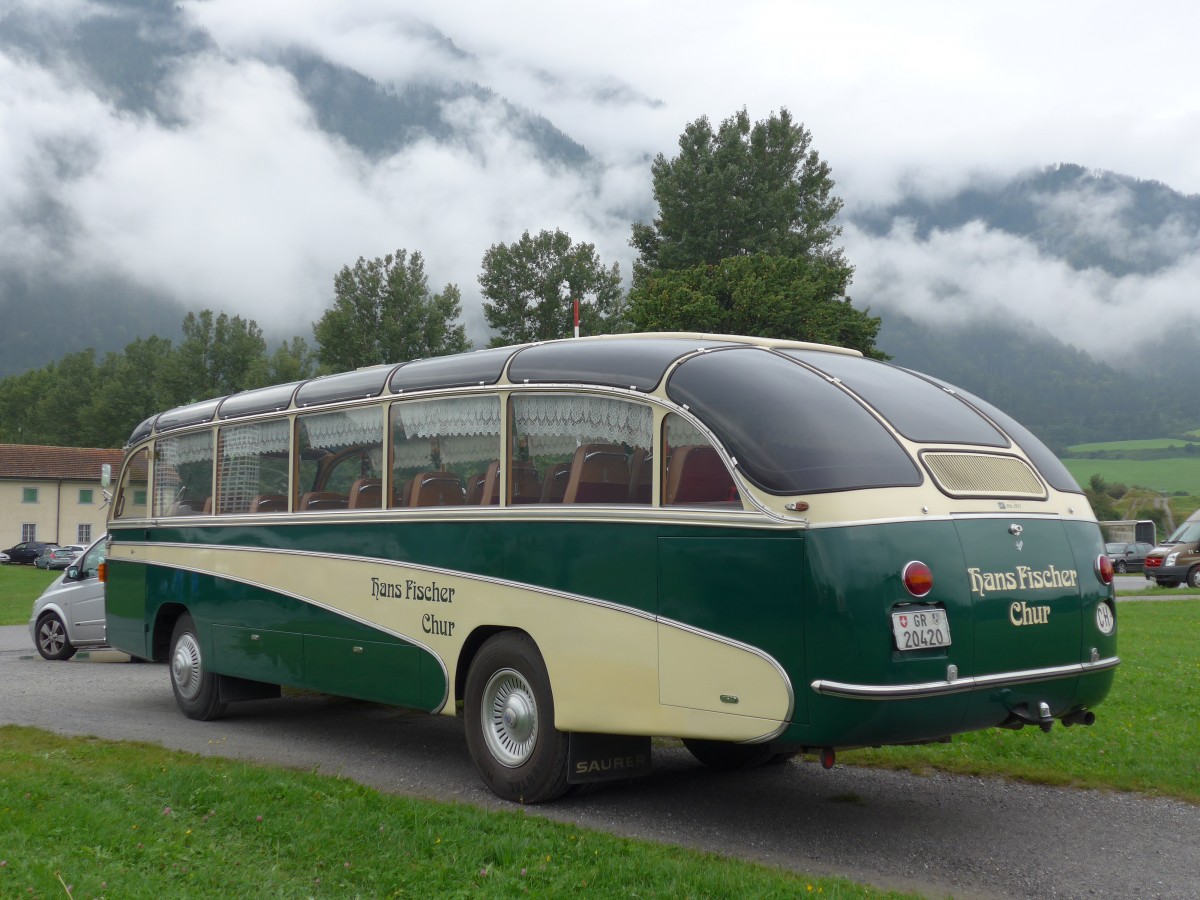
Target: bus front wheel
{"x":196,"y":690}
{"x":509,"y":712}
{"x":726,"y":756}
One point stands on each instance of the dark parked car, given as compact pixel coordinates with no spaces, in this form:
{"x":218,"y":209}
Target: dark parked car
{"x":1128,"y":557}
{"x":27,"y":551}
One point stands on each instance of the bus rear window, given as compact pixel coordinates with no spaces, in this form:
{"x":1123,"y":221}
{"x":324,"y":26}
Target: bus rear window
{"x":790,"y":430}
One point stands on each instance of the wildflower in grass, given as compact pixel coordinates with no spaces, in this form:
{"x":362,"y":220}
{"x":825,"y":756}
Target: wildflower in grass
{"x":523,"y":872}
{"x":166,"y":810}
{"x":258,"y":818}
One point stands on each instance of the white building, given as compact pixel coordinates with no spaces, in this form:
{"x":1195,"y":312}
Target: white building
{"x":52,"y":493}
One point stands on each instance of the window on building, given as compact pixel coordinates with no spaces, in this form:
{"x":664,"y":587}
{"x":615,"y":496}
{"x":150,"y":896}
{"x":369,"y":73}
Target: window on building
{"x":85,"y":496}
{"x":28,"y":532}
{"x":83,"y":534}
{"x":29,"y":495}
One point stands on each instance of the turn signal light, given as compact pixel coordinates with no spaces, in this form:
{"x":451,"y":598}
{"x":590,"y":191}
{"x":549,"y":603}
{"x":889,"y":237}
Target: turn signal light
{"x":102,"y":573}
{"x":1104,"y":569}
{"x":918,"y":579}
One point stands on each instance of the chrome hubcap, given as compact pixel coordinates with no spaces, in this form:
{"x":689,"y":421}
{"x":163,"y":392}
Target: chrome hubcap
{"x":185,"y":666}
{"x":510,"y":717}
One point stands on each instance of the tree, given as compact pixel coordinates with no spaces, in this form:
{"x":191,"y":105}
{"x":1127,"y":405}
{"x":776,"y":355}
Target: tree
{"x":218,"y":356}
{"x":767,"y":296}
{"x":533,"y":282}
{"x":383,"y":312}
{"x":739,"y":190}
{"x":293,"y":361}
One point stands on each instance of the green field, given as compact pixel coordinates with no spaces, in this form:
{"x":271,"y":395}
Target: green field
{"x":19,"y":587}
{"x":1161,"y":475}
{"x":1119,"y":446}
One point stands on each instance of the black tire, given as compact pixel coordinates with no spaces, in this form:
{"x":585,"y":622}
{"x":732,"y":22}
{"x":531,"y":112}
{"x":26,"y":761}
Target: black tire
{"x":1120,"y":567}
{"x":509,"y":709}
{"x":1193,"y":577}
{"x":726,"y":756}
{"x":195,"y":688}
{"x":52,"y":641}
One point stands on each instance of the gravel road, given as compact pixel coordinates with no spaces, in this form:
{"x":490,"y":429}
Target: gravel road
{"x":939,"y":835}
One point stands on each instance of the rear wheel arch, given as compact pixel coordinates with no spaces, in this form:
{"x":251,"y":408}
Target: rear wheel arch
{"x":164,"y":624}
{"x":470,"y":648}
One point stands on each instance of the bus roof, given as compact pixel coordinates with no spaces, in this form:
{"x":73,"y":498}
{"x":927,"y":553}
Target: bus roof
{"x":633,"y":361}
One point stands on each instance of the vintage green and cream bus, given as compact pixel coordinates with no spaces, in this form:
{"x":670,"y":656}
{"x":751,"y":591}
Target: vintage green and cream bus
{"x":761,"y":547}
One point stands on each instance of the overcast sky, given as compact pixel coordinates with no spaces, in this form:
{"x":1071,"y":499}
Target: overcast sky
{"x":245,"y":205}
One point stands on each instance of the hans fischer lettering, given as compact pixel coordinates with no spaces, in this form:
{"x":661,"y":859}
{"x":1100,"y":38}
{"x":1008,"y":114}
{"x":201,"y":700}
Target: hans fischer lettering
{"x":1022,"y":578}
{"x":411,"y":590}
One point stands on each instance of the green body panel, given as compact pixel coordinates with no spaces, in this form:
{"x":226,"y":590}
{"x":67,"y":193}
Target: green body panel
{"x":854,"y":583}
{"x":744,"y":588}
{"x":818,"y":602}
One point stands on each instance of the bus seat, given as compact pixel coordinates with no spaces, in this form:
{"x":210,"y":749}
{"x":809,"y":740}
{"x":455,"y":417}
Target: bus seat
{"x":207,"y":506}
{"x":555,"y":485}
{"x":489,"y":491}
{"x":269,"y":503}
{"x":475,"y":489}
{"x":523,"y":484}
{"x":436,"y":489}
{"x":599,"y":474}
{"x":697,"y":475}
{"x":366,"y":493}
{"x":641,"y":476}
{"x":319,"y":500}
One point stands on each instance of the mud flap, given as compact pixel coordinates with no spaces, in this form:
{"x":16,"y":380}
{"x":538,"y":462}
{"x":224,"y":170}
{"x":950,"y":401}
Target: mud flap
{"x":606,"y":757}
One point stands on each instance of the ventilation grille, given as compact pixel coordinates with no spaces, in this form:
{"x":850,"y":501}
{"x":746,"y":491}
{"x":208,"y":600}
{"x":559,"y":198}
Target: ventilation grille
{"x":983,"y":475}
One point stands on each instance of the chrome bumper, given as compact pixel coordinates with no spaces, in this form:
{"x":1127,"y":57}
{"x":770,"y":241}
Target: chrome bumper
{"x":954,"y":685}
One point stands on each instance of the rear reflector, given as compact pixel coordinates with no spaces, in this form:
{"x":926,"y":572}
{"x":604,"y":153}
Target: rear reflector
{"x":1104,"y":569}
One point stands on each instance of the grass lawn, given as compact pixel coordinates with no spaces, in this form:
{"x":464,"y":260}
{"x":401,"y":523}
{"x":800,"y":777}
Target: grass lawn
{"x":1146,"y":731}
{"x":1169,"y":475}
{"x":1148,"y":444}
{"x":19,"y":587}
{"x":88,"y":818}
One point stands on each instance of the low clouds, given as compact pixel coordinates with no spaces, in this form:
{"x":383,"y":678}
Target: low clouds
{"x":229,"y":195}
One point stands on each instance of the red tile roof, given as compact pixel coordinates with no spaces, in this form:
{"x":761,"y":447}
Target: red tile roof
{"x":30,"y":461}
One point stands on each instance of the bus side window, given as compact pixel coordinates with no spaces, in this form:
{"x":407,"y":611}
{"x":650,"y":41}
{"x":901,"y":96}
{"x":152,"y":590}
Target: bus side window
{"x":131,"y":495}
{"x":445,"y":452}
{"x":183,"y":474}
{"x":695,"y":472}
{"x":579,"y":448}
{"x":253,"y":472}
{"x":339,"y":459}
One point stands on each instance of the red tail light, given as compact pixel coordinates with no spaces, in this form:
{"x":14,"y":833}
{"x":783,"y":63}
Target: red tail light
{"x":918,"y":579}
{"x":1104,"y":569}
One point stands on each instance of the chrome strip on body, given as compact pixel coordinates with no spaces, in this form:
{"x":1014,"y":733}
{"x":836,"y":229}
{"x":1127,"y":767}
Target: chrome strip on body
{"x":942,"y":688}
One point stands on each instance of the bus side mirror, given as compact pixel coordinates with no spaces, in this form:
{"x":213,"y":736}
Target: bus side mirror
{"x":105,"y":475}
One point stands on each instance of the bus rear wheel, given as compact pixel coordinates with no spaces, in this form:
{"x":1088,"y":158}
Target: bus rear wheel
{"x":196,"y":690}
{"x":509,"y":710}
{"x":726,"y":756}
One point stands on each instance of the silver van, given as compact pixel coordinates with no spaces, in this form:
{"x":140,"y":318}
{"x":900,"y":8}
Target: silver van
{"x":69,"y":614}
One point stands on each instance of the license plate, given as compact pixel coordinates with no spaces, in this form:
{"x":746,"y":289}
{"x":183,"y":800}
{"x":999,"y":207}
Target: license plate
{"x":921,"y":628}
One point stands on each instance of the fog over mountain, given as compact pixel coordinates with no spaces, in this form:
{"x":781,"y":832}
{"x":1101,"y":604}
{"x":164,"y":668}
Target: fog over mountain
{"x":159,"y":157}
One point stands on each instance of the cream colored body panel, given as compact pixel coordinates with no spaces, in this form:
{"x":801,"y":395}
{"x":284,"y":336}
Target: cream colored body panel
{"x":604,"y":660}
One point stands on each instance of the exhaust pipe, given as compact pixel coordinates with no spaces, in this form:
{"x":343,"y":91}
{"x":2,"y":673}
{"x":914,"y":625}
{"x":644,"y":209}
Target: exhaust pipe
{"x":1079,"y":717}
